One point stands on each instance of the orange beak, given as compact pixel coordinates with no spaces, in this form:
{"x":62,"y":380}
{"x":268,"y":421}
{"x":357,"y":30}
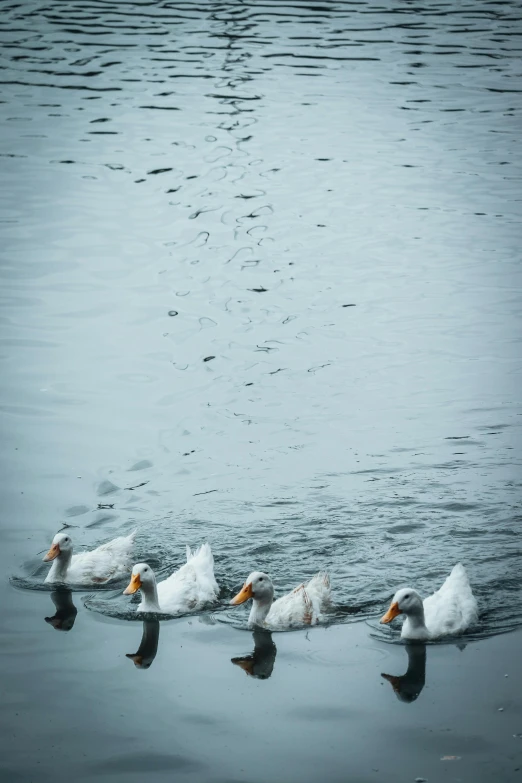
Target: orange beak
{"x":134,"y":585}
{"x":52,"y":553}
{"x":392,"y":612}
{"x":244,"y":594}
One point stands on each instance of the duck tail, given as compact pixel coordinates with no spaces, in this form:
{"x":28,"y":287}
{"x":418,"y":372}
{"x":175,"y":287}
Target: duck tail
{"x":459,"y":574}
{"x":204,"y":552}
{"x":325,"y":578}
{"x":320,"y":580}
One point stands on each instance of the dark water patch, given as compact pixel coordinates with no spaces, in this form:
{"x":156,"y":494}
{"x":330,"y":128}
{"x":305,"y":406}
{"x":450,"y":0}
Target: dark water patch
{"x":457,"y":507}
{"x":468,"y":533}
{"x":143,"y":464}
{"x":384,"y":471}
{"x":146,"y":763}
{"x":102,"y":519}
{"x":107,"y":488}
{"x":281,"y":503}
{"x":405,"y":528}
{"x":265,"y":549}
{"x":467,"y":441}
{"x":397,"y":502}
{"x":76,"y":511}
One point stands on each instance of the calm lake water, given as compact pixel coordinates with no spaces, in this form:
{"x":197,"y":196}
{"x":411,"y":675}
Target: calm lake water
{"x":261,"y":286}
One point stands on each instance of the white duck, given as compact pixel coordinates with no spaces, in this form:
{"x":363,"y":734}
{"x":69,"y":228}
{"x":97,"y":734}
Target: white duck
{"x":109,"y":561}
{"x":448,"y":612}
{"x":303,"y":606}
{"x":186,"y":590}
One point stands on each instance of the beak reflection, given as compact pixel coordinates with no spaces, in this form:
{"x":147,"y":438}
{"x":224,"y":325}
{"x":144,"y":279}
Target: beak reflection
{"x":260,"y":663}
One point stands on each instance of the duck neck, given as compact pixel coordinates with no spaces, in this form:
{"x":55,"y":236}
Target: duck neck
{"x":60,"y":567}
{"x":149,"y":596}
{"x":414,"y":627}
{"x":259,"y":611}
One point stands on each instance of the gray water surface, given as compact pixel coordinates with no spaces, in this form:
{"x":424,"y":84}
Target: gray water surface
{"x":260,"y":285}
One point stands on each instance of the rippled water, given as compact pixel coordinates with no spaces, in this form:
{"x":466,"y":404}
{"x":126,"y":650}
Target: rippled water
{"x":260,"y":284}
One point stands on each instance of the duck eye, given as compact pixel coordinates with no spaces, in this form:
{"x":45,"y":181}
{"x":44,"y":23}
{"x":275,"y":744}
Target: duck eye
{"x":260,"y":578}
{"x":407,"y":596}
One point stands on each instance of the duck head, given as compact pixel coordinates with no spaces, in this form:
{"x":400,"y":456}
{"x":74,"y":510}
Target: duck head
{"x":61,"y":545}
{"x":142,"y":577}
{"x":258,"y":586}
{"x":405,"y":601}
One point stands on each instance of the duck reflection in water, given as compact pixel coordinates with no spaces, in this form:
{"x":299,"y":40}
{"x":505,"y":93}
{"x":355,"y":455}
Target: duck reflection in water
{"x":148,"y":648}
{"x":260,"y":662}
{"x":65,"y":615}
{"x":408,"y":687}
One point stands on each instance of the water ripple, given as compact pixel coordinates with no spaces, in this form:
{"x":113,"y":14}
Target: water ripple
{"x":326,"y":196}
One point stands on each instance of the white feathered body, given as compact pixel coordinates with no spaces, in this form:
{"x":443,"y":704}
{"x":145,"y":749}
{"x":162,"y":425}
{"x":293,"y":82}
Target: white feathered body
{"x":303,"y":606}
{"x":111,"y":560}
{"x":191,"y":587}
{"x":449,"y":611}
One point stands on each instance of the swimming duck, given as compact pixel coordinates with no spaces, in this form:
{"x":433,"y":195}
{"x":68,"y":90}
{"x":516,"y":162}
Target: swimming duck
{"x":303,"y":606}
{"x":186,"y":590}
{"x":109,"y":561}
{"x":449,"y":611}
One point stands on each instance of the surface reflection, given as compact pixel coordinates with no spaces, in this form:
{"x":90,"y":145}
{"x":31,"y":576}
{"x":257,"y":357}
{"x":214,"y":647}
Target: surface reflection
{"x":148,"y":648}
{"x":260,"y":662}
{"x":408,"y":687}
{"x":65,"y":615}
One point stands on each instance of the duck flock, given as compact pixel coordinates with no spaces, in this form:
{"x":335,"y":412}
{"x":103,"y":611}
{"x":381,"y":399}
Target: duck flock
{"x":449,"y":611}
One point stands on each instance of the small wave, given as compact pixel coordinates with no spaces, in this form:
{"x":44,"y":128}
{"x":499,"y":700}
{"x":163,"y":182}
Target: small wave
{"x":338,"y":615}
{"x":484,"y":629}
{"x":116,"y":608}
{"x":31,"y":583}
{"x":117,"y":612}
{"x":241,"y":623}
